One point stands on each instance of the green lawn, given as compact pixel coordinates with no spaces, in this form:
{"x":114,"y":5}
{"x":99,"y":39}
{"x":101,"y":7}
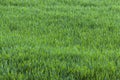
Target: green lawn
{"x":59,"y":40}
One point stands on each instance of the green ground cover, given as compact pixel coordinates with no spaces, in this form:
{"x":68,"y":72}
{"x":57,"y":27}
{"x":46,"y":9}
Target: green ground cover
{"x":59,"y":40}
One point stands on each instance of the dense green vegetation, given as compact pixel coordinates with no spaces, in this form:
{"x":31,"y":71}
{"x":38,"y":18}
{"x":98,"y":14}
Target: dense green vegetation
{"x":59,"y":40}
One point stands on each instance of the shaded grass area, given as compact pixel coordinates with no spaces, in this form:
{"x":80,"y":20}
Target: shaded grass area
{"x":59,"y":40}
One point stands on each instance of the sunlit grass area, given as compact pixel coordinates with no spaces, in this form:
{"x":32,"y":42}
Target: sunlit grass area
{"x":59,"y":40}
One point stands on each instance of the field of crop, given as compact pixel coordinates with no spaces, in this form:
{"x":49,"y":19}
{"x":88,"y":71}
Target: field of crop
{"x":59,"y":39}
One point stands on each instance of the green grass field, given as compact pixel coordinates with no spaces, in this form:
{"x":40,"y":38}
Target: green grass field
{"x":59,"y":40}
